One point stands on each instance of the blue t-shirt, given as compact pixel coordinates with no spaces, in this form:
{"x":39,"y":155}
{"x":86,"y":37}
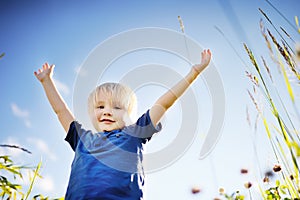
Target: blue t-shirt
{"x":108,"y":165}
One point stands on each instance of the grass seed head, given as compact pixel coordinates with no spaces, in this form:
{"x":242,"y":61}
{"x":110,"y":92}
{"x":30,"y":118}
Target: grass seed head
{"x":248,"y":185}
{"x":196,"y":190}
{"x":244,"y":171}
{"x":221,"y":190}
{"x":266,"y":179}
{"x":277,"y":168}
{"x":297,"y":48}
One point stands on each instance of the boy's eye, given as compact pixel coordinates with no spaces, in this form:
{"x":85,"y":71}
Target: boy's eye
{"x":117,"y":107}
{"x":101,"y":107}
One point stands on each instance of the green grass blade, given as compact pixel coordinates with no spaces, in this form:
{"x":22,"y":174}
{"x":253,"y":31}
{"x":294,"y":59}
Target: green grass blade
{"x":36,"y":171}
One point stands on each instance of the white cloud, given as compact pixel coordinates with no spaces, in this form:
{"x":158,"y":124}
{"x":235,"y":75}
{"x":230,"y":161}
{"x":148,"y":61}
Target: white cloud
{"x":18,"y":111}
{"x":80,"y":71}
{"x":45,"y":184}
{"x":27,"y":123}
{"x":14,"y":152}
{"x":21,"y":113}
{"x":63,"y":88}
{"x":37,"y":145}
{"x":42,"y":147}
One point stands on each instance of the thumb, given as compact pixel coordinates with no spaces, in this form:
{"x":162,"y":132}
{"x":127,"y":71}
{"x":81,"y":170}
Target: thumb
{"x":52,"y":67}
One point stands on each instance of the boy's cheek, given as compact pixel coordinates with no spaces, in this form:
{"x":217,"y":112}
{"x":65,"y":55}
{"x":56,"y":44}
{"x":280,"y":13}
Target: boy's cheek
{"x":126,"y":119}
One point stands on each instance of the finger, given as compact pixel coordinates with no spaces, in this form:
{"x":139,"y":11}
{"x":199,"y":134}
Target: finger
{"x":205,"y":52}
{"x":209,"y":52}
{"x":46,"y":66}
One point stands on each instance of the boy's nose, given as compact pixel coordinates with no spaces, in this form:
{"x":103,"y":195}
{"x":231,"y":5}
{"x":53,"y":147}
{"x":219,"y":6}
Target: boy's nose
{"x":107,"y":112}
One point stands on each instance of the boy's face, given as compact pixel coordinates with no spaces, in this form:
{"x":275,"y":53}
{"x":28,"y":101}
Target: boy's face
{"x":109,"y":114}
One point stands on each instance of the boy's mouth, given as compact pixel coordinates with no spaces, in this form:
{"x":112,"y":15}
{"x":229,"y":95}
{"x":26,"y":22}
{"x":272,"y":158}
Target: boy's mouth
{"x":107,"y":120}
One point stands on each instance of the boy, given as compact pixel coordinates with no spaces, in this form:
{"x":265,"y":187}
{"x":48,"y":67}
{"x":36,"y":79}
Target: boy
{"x":107,"y":164}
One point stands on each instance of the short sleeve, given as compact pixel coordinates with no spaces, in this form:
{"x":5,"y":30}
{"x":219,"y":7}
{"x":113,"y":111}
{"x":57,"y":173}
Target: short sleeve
{"x":143,"y":128}
{"x":73,"y":134}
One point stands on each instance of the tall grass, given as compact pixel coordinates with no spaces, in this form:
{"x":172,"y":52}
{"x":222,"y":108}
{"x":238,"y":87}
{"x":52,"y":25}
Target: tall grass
{"x":10,"y":173}
{"x":280,"y":115}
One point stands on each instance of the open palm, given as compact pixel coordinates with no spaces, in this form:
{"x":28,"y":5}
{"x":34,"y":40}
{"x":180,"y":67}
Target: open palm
{"x":45,"y":72}
{"x":205,"y":59}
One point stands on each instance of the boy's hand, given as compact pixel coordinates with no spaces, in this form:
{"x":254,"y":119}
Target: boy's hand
{"x":205,"y":59}
{"x":65,"y":116}
{"x":45,"y":72}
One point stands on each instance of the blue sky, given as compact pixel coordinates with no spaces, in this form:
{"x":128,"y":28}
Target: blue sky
{"x":65,"y":32}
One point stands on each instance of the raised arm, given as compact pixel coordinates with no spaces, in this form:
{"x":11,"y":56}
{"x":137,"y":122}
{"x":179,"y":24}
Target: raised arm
{"x":44,"y":75}
{"x":169,"y":98}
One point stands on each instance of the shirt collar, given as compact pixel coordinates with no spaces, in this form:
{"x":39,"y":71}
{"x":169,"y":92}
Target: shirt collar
{"x":107,"y":133}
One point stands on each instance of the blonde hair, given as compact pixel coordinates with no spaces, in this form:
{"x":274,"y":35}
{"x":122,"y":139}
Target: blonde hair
{"x":119,"y":93}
